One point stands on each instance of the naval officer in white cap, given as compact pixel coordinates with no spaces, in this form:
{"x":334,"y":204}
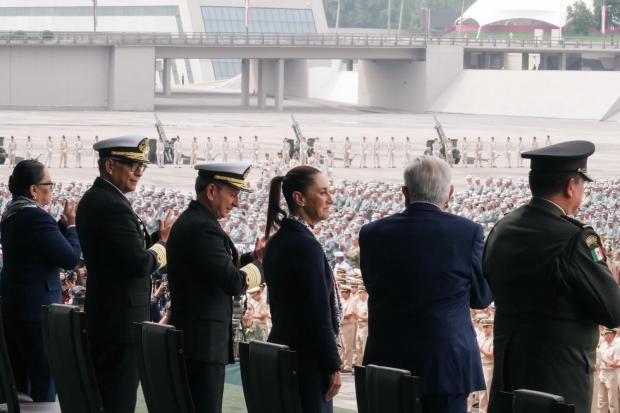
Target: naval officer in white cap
{"x":205,"y":271}
{"x":115,"y":243}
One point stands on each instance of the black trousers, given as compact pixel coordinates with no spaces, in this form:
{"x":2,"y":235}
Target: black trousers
{"x":117,"y":375}
{"x":206,"y":383}
{"x":444,"y":403}
{"x":31,"y":369}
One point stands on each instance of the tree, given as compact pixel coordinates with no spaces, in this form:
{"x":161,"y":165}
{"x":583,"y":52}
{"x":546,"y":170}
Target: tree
{"x":613,"y":13}
{"x":579,"y":18}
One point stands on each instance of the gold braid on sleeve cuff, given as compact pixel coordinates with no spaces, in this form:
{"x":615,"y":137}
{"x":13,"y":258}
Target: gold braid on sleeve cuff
{"x":253,"y":276}
{"x":160,"y":251}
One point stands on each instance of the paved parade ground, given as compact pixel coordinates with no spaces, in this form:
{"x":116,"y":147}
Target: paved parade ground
{"x":320,"y":119}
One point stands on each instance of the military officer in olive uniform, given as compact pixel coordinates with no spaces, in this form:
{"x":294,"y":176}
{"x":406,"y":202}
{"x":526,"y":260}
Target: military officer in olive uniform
{"x":205,"y":271}
{"x":120,"y":256}
{"x":551,"y":284}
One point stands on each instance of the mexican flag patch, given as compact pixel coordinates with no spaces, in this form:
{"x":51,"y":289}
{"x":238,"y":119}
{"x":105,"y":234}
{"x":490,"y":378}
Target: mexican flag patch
{"x":597,"y":254}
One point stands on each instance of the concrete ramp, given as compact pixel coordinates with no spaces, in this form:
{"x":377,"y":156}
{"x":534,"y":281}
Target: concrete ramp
{"x":543,"y":94}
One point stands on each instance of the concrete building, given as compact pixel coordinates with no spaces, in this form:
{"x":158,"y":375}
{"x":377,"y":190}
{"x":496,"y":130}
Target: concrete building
{"x":168,"y":16}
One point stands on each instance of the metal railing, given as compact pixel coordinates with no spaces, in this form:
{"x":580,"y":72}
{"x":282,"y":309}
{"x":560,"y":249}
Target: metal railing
{"x":285,"y":39}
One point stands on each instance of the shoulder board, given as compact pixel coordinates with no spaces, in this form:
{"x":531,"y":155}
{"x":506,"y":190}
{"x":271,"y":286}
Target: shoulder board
{"x":576,"y":222}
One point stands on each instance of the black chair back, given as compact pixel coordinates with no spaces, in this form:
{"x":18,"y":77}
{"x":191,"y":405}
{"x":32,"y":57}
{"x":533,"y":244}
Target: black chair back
{"x":530,"y":401}
{"x":161,"y":365}
{"x":8,"y":390}
{"x":66,"y":343}
{"x":384,"y":389}
{"x":246,"y":379}
{"x":269,"y":377}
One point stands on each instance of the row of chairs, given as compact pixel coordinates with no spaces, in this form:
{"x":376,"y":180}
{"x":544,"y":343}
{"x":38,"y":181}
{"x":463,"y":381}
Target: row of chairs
{"x":268,"y":374}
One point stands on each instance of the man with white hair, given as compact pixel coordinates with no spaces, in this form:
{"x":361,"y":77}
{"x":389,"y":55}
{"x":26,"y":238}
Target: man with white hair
{"x":437,"y":318}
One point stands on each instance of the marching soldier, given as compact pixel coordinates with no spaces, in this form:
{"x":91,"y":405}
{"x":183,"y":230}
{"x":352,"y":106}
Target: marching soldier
{"x":239,"y":150}
{"x":294,"y":162}
{"x":551,"y":284}
{"x":485,"y":342}
{"x":79,"y":146}
{"x":12,"y":150}
{"x":464,"y":147}
{"x":111,"y":311}
{"x":178,"y":147}
{"x":348,"y":329}
{"x":548,"y":141}
{"x":492,"y":148}
{"x":361,"y":314}
{"x":28,"y":149}
{"x":363,"y":151}
{"x":303,"y":152}
{"x":329,"y":164}
{"x":194,"y":153}
{"x":317,"y":148}
{"x":205,"y":271}
{"x":225,"y":148}
{"x":507,"y":152}
{"x":449,"y":155}
{"x":209,"y":150}
{"x":520,"y":148}
{"x":406,"y":153}
{"x":437,"y":148}
{"x":94,"y":154}
{"x":286,"y":151}
{"x":49,"y":147}
{"x":376,"y":147}
{"x":391,"y":149}
{"x":266,"y":167}
{"x":346,"y":153}
{"x":478,"y":158}
{"x":64,"y":145}
{"x":255,"y":149}
{"x":534,"y":144}
{"x":279,"y":165}
{"x":161,"y":147}
{"x":331,"y":145}
{"x":608,"y":376}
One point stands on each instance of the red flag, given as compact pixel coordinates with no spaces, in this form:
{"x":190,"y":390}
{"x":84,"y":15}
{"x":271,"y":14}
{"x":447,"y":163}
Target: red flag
{"x":604,"y":23}
{"x":247,"y":14}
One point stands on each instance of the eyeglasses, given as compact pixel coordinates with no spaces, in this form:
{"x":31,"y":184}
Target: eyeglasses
{"x":50,"y":184}
{"x":134,"y":165}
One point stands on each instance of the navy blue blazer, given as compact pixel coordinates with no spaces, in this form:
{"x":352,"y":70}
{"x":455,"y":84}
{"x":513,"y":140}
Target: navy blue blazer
{"x":423,"y":272}
{"x":36,"y":248}
{"x":300,"y":286}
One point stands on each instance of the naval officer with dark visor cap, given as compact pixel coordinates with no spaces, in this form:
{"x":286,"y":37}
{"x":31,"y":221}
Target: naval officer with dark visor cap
{"x":117,"y":248}
{"x":551,"y":285}
{"x":205,"y":272}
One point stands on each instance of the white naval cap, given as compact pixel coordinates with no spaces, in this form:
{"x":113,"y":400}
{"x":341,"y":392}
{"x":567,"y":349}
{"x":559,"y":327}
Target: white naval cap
{"x":231,"y":173}
{"x":128,"y":148}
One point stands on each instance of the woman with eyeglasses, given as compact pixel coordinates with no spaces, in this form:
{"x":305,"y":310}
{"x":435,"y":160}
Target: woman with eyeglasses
{"x":36,"y":248}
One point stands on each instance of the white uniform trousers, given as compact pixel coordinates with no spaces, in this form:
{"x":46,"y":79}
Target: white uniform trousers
{"x":608,"y":391}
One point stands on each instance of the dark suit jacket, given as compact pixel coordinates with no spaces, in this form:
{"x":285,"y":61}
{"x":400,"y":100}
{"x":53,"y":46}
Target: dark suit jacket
{"x":551,"y":296}
{"x":35,"y":249}
{"x":300,"y":285}
{"x":114,"y":242}
{"x":423,"y":272}
{"x":204,"y":275}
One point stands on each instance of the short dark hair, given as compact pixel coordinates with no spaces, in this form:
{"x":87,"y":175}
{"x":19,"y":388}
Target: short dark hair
{"x":25,"y":174}
{"x":202,"y":183}
{"x":545,"y":183}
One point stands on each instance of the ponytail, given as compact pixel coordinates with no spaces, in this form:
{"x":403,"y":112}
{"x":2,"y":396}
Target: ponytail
{"x":298,"y":179}
{"x":275,"y":214}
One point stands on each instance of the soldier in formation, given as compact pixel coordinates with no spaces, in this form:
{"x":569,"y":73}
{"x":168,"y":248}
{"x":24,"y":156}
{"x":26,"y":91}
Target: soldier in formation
{"x":464,"y":149}
{"x":194,"y":153}
{"x":363,"y":152}
{"x":94,"y":154}
{"x":64,"y":146}
{"x":160,"y":148}
{"x":79,"y":147}
{"x":28,"y":149}
{"x":239,"y":150}
{"x":12,"y":150}
{"x":255,"y":149}
{"x":178,"y":152}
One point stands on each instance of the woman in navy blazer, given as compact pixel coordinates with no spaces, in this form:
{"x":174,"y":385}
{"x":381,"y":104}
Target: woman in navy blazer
{"x":296,"y":266}
{"x":35,"y":249}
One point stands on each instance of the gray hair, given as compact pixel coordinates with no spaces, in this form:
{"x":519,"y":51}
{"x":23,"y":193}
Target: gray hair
{"x":428,"y":179}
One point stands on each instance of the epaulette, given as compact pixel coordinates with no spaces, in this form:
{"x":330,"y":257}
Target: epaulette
{"x":576,"y":222}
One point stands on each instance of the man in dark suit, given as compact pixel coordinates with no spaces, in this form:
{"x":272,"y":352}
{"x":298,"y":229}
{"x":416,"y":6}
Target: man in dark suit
{"x":204,"y":273}
{"x":423,"y":269}
{"x":120,"y":256}
{"x":551,"y":284}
